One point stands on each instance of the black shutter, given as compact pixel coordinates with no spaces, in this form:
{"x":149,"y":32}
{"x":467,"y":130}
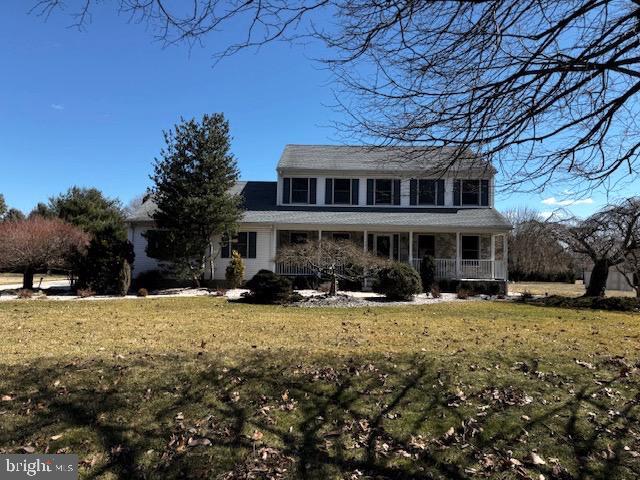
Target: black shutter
{"x":225,"y":247}
{"x":252,"y":245}
{"x":355,"y":191}
{"x":440,"y":192}
{"x":456,"y":192}
{"x":313,"y":182}
{"x":413,"y":191}
{"x":369,"y":191}
{"x":396,"y":247}
{"x":484,"y":193}
{"x":286,"y":190}
{"x":396,"y":192}
{"x":328,"y":191}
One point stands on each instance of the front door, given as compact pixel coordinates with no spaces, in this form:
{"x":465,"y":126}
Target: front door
{"x":383,"y":246}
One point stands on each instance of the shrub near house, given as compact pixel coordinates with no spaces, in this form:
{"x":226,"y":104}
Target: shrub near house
{"x":398,"y":282}
{"x":267,"y":287}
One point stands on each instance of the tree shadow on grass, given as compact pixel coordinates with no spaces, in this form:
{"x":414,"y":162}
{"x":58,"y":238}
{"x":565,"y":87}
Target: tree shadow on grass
{"x":270,"y":415}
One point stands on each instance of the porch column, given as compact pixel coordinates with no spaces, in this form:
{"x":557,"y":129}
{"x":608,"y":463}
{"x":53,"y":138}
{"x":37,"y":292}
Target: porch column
{"x":319,"y":236}
{"x":493,"y":256}
{"x":505,"y":254}
{"x":458,"y":256}
{"x":274,"y":242}
{"x":366,"y":241}
{"x":411,"y":248}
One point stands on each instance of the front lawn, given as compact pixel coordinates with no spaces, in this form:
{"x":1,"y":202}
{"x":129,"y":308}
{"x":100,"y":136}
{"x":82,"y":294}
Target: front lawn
{"x":201,"y":388}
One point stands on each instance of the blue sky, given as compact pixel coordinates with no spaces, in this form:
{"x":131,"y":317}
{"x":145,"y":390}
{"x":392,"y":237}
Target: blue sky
{"x":88,"y":108}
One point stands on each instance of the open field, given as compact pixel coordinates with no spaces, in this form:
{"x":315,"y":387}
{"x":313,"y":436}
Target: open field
{"x":201,"y":388}
{"x":16,"y":278}
{"x":557,"y":288}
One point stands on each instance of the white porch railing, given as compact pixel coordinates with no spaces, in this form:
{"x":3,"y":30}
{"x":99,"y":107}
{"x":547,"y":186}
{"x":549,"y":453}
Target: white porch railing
{"x":293,"y":269}
{"x":474,"y":269}
{"x":445,"y":268}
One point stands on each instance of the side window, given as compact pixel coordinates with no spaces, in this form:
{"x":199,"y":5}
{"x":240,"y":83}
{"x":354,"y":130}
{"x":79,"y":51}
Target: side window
{"x":244,"y":243}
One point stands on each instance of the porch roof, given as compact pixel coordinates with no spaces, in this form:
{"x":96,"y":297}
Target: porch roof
{"x":441,"y":219}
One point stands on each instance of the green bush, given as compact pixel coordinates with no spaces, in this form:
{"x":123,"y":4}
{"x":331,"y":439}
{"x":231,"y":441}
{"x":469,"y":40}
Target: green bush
{"x":479,"y":287}
{"x":100,"y":269}
{"x":235,"y":270}
{"x":267,"y":287}
{"x":428,"y":272}
{"x":151,"y":280}
{"x":143,"y":292}
{"x":398,"y":282}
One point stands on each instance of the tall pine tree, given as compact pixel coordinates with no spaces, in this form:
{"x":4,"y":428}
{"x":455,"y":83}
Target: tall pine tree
{"x":192,"y":179}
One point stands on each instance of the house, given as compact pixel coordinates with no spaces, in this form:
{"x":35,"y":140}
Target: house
{"x":397,"y":202}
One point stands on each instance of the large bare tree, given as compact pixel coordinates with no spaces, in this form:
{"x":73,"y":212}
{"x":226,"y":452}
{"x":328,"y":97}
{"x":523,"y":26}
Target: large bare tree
{"x":607,"y":238}
{"x":534,"y":253}
{"x":337,"y":260}
{"x":548,"y":90}
{"x":37,"y":244}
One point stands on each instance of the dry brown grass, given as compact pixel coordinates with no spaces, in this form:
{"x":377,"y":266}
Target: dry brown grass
{"x":178,"y":387}
{"x":557,"y":288}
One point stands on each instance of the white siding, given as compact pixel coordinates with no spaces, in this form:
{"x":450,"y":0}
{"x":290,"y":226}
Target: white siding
{"x":264,"y":257}
{"x":141,"y":263}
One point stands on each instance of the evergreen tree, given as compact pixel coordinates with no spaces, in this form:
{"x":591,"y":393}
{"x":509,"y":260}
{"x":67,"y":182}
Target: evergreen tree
{"x":90,"y":210}
{"x":191,"y":180}
{"x":103,"y":218}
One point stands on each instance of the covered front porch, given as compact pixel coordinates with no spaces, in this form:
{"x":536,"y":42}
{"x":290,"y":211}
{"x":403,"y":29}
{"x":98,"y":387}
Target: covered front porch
{"x":458,"y":255}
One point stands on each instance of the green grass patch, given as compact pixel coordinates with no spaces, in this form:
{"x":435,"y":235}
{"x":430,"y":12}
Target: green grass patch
{"x":201,"y":388}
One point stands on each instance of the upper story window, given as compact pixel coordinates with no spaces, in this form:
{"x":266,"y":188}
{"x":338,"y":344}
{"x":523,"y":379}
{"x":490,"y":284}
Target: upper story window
{"x":426,"y":192}
{"x":299,"y":190}
{"x":383,"y":191}
{"x":341,"y":191}
{"x":471,"y":192}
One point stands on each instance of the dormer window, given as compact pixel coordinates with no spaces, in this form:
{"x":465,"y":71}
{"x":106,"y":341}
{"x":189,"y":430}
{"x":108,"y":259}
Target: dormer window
{"x":301,"y":190}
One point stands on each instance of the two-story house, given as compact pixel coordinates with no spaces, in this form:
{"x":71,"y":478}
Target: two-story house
{"x":397,"y":202}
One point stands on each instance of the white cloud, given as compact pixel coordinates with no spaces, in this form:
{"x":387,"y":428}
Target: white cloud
{"x":547,"y":214}
{"x":57,"y":106}
{"x":567,"y":202}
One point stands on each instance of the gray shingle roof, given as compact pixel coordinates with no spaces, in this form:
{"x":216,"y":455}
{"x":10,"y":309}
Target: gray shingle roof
{"x":260,"y":207}
{"x":379,"y":159}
